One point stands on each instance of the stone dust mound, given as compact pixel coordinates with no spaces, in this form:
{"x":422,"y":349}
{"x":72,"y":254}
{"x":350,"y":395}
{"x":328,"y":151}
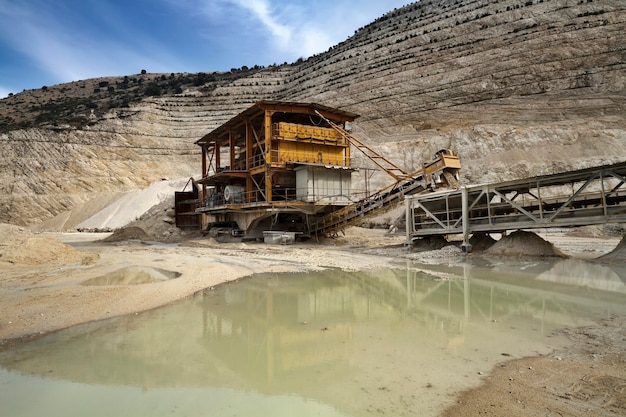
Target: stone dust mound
{"x":157,"y":225}
{"x":521,"y":243}
{"x":617,"y":255}
{"x":127,"y":233}
{"x":19,"y":246}
{"x":481,"y":242}
{"x":599,"y":230}
{"x":133,"y":205}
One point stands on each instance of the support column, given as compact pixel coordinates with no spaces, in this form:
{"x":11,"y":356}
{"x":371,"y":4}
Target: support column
{"x":465,"y":246}
{"x":216,"y":149}
{"x":204,"y":156}
{"x":249,"y":146}
{"x":268,"y":155}
{"x":251,"y":192}
{"x":204,"y":174}
{"x":604,"y":208}
{"x":408,"y":204}
{"x":231,"y":150}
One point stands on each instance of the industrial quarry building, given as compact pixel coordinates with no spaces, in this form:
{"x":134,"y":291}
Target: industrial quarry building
{"x":270,"y":168}
{"x":281,"y":169}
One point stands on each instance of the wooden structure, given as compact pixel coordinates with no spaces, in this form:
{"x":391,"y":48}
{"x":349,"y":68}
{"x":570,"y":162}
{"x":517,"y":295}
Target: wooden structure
{"x":286,"y":167}
{"x":275,"y":158}
{"x":186,"y":203}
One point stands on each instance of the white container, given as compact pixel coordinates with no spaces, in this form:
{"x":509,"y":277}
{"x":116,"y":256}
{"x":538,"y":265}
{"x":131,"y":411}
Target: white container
{"x":275,"y":237}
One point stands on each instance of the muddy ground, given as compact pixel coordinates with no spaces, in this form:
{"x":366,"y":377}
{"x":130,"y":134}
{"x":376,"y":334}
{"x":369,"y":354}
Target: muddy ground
{"x":42,"y":277}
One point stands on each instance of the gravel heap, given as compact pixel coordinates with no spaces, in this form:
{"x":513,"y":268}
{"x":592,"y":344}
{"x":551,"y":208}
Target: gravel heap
{"x":617,"y":255}
{"x":521,"y":243}
{"x":20,"y":246}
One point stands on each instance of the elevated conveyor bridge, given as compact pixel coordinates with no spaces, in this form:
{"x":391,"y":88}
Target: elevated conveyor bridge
{"x":575,"y":198}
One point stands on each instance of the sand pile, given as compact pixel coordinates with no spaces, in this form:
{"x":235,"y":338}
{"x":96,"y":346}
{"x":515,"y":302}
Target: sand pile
{"x":521,"y":243}
{"x":107,"y":211}
{"x":617,"y":255}
{"x":599,"y":230}
{"x":131,"y":206}
{"x":157,"y":224}
{"x":69,"y":220}
{"x":481,"y":242}
{"x":19,"y":246}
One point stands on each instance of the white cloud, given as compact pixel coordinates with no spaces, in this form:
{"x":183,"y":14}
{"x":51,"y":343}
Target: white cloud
{"x":310,"y":40}
{"x":65,"y":50}
{"x":69,"y":43}
{"x":280,"y":30}
{"x":291,"y":28}
{"x":302,"y":29}
{"x":42,"y":41}
{"x":261,"y":9}
{"x":4,"y":92}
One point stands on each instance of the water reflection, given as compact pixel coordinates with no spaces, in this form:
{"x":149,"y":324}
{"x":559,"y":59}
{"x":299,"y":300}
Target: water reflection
{"x":389,"y":342}
{"x":611,"y":278}
{"x":274,"y":327}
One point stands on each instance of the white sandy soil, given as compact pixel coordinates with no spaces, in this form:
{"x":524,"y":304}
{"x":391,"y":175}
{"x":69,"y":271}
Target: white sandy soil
{"x":42,"y":289}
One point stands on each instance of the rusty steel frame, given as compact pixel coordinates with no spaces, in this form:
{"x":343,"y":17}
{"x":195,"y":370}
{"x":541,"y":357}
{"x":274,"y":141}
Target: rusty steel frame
{"x":594,"y":196}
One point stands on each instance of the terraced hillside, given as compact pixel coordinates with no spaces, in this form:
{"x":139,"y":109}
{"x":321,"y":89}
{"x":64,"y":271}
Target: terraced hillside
{"x":516,"y":88}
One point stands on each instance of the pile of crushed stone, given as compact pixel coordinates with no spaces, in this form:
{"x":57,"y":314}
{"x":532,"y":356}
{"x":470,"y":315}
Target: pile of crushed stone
{"x":449,"y":251}
{"x":20,"y":246}
{"x":599,"y":230}
{"x":617,"y":255}
{"x":158,"y":224}
{"x":132,"y":205}
{"x":521,"y":243}
{"x":128,"y":233}
{"x":429,"y":243}
{"x":481,"y":242}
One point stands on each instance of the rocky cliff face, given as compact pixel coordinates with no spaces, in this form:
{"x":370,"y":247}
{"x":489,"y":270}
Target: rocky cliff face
{"x":516,"y":88}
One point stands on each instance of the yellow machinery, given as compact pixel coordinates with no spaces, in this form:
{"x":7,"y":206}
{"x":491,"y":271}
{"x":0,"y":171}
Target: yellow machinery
{"x":287,"y":166}
{"x":442,"y":170}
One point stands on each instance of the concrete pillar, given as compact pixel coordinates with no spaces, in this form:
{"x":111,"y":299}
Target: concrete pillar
{"x":408,"y":205}
{"x":465,"y":246}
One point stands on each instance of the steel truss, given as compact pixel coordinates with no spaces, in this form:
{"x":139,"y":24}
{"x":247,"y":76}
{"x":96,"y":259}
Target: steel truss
{"x":574,"y":198}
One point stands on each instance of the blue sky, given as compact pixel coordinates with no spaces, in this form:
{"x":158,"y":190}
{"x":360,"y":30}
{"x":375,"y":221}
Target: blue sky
{"x":48,"y":42}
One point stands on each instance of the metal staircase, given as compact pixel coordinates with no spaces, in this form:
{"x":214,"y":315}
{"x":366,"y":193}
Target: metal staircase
{"x":376,"y":204}
{"x":441,"y":171}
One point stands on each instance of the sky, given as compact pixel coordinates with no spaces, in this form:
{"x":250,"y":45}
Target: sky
{"x":48,"y":42}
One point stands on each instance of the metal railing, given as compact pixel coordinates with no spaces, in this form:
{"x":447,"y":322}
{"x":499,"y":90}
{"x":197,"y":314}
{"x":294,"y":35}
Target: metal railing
{"x":377,"y":203}
{"x":217,"y":200}
{"x":568,"y":199}
{"x":284,"y":157}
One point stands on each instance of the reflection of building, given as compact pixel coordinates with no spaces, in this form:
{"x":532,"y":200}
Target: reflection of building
{"x":314,"y":334}
{"x":269,"y":331}
{"x":276,"y":162}
{"x":542,"y":294}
